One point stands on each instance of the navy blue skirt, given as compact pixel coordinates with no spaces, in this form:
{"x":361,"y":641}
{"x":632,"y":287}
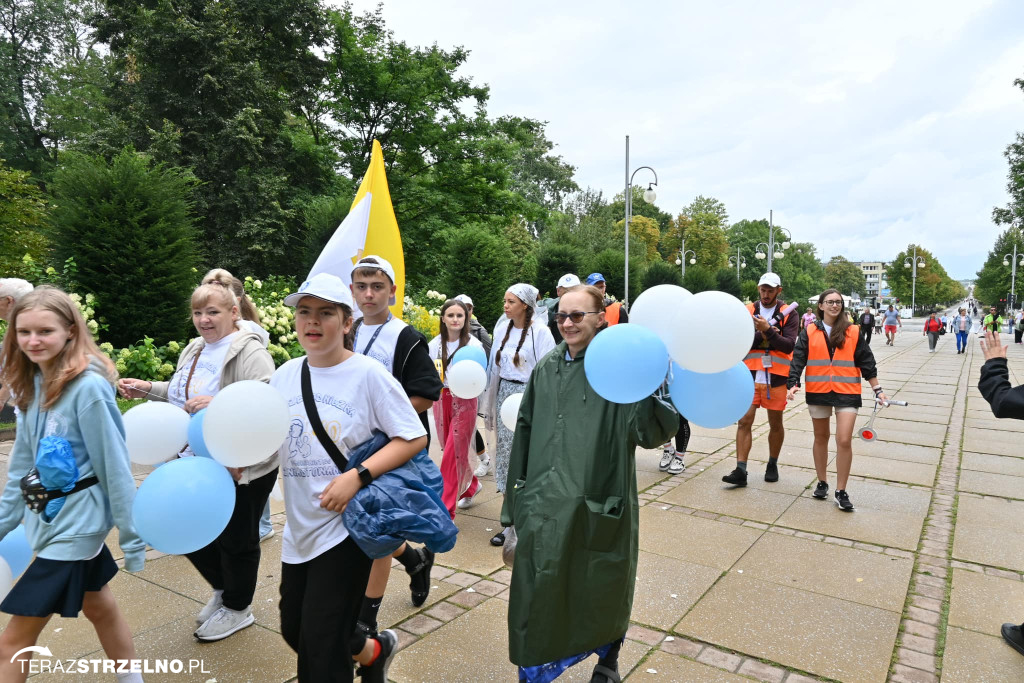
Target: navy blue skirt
{"x":58,"y":586}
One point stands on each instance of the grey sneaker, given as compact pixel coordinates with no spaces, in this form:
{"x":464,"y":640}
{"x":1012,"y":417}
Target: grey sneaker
{"x":668,"y":452}
{"x":215,"y":603}
{"x":677,"y":465}
{"x":223,"y":623}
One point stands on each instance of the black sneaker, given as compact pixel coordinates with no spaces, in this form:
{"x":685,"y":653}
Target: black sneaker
{"x":419,"y":583}
{"x":843,"y":501}
{"x":771,"y":473}
{"x":378,"y":671}
{"x":821,"y":490}
{"x":1014,"y":636}
{"x":737,"y":477}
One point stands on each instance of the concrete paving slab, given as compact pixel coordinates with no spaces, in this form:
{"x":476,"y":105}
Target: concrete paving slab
{"x":472,"y":552}
{"x":712,"y":444}
{"x":708,"y":492}
{"x":486,"y":509}
{"x":982,"y":462}
{"x":472,"y":647}
{"x":897,"y":451}
{"x":792,"y":480}
{"x":975,"y":437}
{"x":977,"y":445}
{"x":867,"y":523}
{"x":666,"y":588}
{"x":975,"y":658}
{"x":988,"y":483}
{"x":645,"y":480}
{"x":797,"y":456}
{"x":860,"y":576}
{"x":983,"y":603}
{"x":988,"y":532}
{"x":629,"y":656}
{"x":925,"y":399}
{"x":397,"y":605}
{"x":891,"y":470}
{"x":990,"y":422}
{"x":177,"y":574}
{"x":693,"y":539}
{"x":661,"y":666}
{"x":816,"y":633}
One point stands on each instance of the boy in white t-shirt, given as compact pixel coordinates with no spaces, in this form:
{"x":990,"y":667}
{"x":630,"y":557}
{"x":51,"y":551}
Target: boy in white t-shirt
{"x":324,"y":572}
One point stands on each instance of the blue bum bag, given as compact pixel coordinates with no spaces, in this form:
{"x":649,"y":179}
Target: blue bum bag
{"x":401,"y":505}
{"x":54,"y":476}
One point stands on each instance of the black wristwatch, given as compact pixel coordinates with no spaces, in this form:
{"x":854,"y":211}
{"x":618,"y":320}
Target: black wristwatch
{"x":365,"y":476}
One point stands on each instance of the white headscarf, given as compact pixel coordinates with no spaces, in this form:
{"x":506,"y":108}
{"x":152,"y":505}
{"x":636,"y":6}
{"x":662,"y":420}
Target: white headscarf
{"x":526,"y":293}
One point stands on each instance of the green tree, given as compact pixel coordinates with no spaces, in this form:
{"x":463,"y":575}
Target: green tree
{"x":23,"y":212}
{"x":994,"y":278}
{"x":643,"y":237}
{"x":641,"y":207}
{"x":612,"y":264}
{"x":726,"y":281}
{"x":521,"y":255}
{"x":479,"y":267}
{"x":705,"y":237}
{"x":1013,"y":212}
{"x":553,"y":261}
{"x":844,"y":275}
{"x":129,"y":228}
{"x":700,"y":279}
{"x":934,"y":285}
{"x":661,"y":273}
{"x":801,"y":273}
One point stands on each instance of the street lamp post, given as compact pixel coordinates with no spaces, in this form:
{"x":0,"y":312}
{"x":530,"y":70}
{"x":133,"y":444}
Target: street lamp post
{"x":1013,"y":274}
{"x":649,"y":196}
{"x":914,"y":262}
{"x":739,"y":262}
{"x":683,"y":251}
{"x":769,"y":248}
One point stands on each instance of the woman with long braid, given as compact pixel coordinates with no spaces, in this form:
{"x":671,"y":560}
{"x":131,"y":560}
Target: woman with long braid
{"x":524,"y":341}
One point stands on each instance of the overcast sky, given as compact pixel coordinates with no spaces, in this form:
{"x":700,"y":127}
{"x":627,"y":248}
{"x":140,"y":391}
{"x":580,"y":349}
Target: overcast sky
{"x":864,"y":125}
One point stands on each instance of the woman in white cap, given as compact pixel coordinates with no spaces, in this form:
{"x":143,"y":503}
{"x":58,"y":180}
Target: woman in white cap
{"x":524,"y":341}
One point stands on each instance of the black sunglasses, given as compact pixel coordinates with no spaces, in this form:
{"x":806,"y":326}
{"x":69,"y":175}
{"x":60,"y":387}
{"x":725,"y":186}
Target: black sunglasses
{"x":575,"y":316}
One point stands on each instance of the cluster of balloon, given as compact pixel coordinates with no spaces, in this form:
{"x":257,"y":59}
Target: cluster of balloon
{"x":467,"y":372}
{"x":705,"y":335}
{"x":185,"y":504}
{"x":15,"y":555}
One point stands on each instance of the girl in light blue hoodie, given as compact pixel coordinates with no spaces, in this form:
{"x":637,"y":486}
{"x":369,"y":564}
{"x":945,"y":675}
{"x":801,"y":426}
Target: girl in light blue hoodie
{"x":63,"y":389}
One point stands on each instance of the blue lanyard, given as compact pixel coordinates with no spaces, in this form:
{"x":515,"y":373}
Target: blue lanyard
{"x":369,"y":344}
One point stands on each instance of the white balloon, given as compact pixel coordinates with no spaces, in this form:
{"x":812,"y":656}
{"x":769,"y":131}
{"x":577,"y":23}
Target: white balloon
{"x":717,"y":333}
{"x":155,"y":432}
{"x":510,"y":410}
{"x":657,"y":309}
{"x":466,"y":379}
{"x":245,"y":423}
{"x":6,"y":578}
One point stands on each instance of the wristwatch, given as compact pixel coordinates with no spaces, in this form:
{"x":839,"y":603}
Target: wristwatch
{"x":365,"y":476}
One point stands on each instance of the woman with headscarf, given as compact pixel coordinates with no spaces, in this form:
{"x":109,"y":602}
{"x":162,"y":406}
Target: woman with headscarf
{"x":524,"y":340}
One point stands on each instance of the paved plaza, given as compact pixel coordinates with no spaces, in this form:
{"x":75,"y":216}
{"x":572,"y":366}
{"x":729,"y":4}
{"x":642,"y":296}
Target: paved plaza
{"x":764,"y":583}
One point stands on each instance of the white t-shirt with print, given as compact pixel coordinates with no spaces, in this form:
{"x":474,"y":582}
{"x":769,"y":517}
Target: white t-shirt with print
{"x":206,"y":378}
{"x":766,"y":313}
{"x":434,"y":348}
{"x":383,"y":349}
{"x":353,"y":398}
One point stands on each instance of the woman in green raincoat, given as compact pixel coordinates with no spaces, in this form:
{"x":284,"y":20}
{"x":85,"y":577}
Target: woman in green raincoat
{"x":572,"y":497}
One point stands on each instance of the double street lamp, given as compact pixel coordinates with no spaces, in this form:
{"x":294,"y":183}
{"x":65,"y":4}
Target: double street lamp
{"x":770,"y":249}
{"x":1008,"y":261}
{"x":683,"y":251}
{"x":739,"y":262}
{"x":913,"y":262}
{"x":650,"y":196}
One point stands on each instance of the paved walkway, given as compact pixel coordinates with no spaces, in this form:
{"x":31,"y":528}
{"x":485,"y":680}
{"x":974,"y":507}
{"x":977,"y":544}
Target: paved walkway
{"x":762,"y":583}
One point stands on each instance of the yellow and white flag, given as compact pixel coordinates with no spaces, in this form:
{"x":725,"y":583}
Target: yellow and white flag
{"x":370,"y":228}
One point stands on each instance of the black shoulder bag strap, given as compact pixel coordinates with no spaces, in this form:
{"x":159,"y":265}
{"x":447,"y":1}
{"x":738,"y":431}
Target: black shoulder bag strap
{"x":314,"y":418}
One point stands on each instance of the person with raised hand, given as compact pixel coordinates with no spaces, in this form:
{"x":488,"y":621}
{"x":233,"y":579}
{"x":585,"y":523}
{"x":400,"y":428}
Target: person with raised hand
{"x":63,"y":386}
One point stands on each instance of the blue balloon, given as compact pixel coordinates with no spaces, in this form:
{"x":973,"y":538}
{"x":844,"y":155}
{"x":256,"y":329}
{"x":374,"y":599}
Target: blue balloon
{"x":195,"y":435}
{"x":14,"y":548}
{"x":713,"y":400}
{"x":471,"y":353}
{"x":626,"y":363}
{"x":184,"y":505}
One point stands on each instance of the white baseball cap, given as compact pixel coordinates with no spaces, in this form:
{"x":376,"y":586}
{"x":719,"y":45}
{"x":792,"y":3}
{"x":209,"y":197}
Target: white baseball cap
{"x":770,"y":279}
{"x":464,"y":299}
{"x":322,"y":286}
{"x":379,"y":264}
{"x":568,"y":280}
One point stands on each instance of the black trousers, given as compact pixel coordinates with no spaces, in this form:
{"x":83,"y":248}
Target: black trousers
{"x":320,"y":602}
{"x":866,"y":333}
{"x":232,"y":562}
{"x":479,"y":442}
{"x":1017,"y":335}
{"x":683,"y":435}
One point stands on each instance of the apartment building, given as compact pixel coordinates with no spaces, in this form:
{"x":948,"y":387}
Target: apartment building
{"x":874,"y":278}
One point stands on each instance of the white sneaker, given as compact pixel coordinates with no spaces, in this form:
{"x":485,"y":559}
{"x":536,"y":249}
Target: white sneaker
{"x":224,"y":622}
{"x":484,"y":467}
{"x":215,"y":603}
{"x":677,"y":465}
{"x":267,"y":535}
{"x":467,"y":502}
{"x":667,"y":453}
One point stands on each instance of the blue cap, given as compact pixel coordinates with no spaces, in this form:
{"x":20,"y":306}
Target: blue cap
{"x":594,"y":278}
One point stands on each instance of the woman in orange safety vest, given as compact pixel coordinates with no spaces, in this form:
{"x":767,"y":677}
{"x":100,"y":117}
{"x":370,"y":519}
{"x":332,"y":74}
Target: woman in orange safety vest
{"x":836,"y":358}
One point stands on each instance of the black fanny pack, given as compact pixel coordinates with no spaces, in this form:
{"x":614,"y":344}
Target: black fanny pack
{"x":36,"y":496}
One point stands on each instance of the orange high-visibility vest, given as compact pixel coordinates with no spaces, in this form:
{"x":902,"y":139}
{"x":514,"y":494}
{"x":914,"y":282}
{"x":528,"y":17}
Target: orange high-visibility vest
{"x":780,"y":361}
{"x":611,"y":313}
{"x":838,"y":373}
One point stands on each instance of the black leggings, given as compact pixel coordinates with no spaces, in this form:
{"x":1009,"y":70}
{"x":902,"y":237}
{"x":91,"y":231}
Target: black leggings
{"x":479,"y":443}
{"x":320,"y":602}
{"x":683,"y":435}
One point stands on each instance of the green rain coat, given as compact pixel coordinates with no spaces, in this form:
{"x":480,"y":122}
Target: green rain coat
{"x":573,"y":500}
